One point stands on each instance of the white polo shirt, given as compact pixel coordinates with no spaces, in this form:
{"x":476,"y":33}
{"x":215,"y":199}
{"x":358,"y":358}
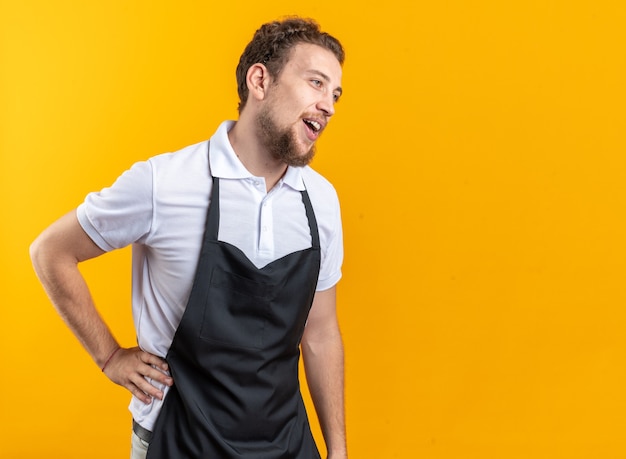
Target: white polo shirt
{"x":160,"y":207}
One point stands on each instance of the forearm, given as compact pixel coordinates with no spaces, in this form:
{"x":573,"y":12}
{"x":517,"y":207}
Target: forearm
{"x":55,"y":255}
{"x":70,"y":295}
{"x":324,"y":366}
{"x":71,"y":298}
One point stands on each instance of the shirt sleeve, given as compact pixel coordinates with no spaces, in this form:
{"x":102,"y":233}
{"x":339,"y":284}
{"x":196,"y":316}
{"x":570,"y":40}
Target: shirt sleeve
{"x":121,"y":214}
{"x":332,"y":253}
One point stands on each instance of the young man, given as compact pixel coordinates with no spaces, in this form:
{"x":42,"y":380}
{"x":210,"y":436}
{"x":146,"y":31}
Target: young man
{"x":237,"y":249}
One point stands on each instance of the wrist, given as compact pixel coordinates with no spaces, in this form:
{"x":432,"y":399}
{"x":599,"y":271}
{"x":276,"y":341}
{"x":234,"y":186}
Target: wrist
{"x":111,"y":355}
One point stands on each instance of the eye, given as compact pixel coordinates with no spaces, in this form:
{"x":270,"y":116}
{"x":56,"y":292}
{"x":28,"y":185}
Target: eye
{"x":317,"y":83}
{"x":336,"y":97}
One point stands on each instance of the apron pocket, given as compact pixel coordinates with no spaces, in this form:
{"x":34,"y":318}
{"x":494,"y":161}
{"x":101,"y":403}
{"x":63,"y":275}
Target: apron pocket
{"x":236,"y":310}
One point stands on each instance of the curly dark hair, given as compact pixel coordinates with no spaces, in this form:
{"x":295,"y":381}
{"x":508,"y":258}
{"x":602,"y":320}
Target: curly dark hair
{"x":272,"y":43}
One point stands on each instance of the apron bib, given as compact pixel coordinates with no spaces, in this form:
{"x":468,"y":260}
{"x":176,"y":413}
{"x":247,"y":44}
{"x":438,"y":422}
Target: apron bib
{"x":234,"y":357}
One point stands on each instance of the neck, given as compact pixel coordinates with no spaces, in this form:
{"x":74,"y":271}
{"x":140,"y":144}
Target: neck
{"x":258,"y":161}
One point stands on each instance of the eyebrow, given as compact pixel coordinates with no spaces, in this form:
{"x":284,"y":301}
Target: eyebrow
{"x":327,"y":79}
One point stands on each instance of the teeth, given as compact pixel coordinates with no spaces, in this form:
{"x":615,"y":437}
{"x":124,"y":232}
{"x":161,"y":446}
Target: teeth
{"x":314,"y":124}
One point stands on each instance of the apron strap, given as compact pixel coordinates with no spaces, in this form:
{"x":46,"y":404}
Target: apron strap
{"x":213,"y":216}
{"x":315,"y":237}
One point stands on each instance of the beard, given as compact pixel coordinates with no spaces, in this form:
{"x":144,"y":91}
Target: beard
{"x":282,"y":143}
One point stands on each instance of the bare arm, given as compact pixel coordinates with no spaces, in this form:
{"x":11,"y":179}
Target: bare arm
{"x":55,"y":255}
{"x":322,"y":351}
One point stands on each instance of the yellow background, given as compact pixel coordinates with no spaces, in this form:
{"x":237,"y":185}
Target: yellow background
{"x":479,"y":152}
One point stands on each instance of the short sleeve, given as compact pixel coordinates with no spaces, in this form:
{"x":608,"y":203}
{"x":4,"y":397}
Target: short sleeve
{"x":121,"y":214}
{"x":332,"y":253}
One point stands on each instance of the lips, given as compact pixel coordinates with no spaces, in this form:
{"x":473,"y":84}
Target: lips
{"x":313,"y":127}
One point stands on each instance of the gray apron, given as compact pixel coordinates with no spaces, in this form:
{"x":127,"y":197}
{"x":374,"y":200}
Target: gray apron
{"x":234,"y":357}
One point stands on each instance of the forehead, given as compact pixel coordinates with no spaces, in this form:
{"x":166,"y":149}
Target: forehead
{"x":306,"y":57}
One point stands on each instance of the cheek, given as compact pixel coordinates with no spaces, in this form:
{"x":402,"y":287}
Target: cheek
{"x":291,"y":108}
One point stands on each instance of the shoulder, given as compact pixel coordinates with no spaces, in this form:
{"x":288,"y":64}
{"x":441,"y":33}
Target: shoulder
{"x":319,"y":188}
{"x":186,"y":159}
{"x":324,"y":199}
{"x":185,"y":169}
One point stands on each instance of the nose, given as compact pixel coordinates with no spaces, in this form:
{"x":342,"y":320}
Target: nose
{"x":326,"y":104}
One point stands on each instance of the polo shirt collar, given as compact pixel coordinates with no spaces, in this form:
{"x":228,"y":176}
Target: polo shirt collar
{"x":225,"y":164}
{"x":293,"y":178}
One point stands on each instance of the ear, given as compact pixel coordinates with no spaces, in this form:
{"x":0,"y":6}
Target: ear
{"x":258,"y":80}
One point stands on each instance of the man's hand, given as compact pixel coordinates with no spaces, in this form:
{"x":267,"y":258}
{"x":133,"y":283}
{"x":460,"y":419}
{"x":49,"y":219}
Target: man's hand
{"x":137,"y":371}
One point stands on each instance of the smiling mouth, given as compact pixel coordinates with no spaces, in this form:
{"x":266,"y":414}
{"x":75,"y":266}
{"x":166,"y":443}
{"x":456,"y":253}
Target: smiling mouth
{"x":314,"y":125}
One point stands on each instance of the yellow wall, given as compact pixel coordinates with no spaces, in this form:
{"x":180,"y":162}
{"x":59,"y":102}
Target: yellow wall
{"x":479,"y":152}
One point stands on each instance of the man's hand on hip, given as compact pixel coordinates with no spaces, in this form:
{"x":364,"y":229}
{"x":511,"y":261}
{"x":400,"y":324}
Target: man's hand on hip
{"x":137,"y":371}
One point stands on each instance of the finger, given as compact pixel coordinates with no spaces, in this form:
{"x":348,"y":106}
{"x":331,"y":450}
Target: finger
{"x":139,"y":394}
{"x":155,"y":368}
{"x":152,"y":359}
{"x":157,"y":375}
{"x":143,"y":385}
